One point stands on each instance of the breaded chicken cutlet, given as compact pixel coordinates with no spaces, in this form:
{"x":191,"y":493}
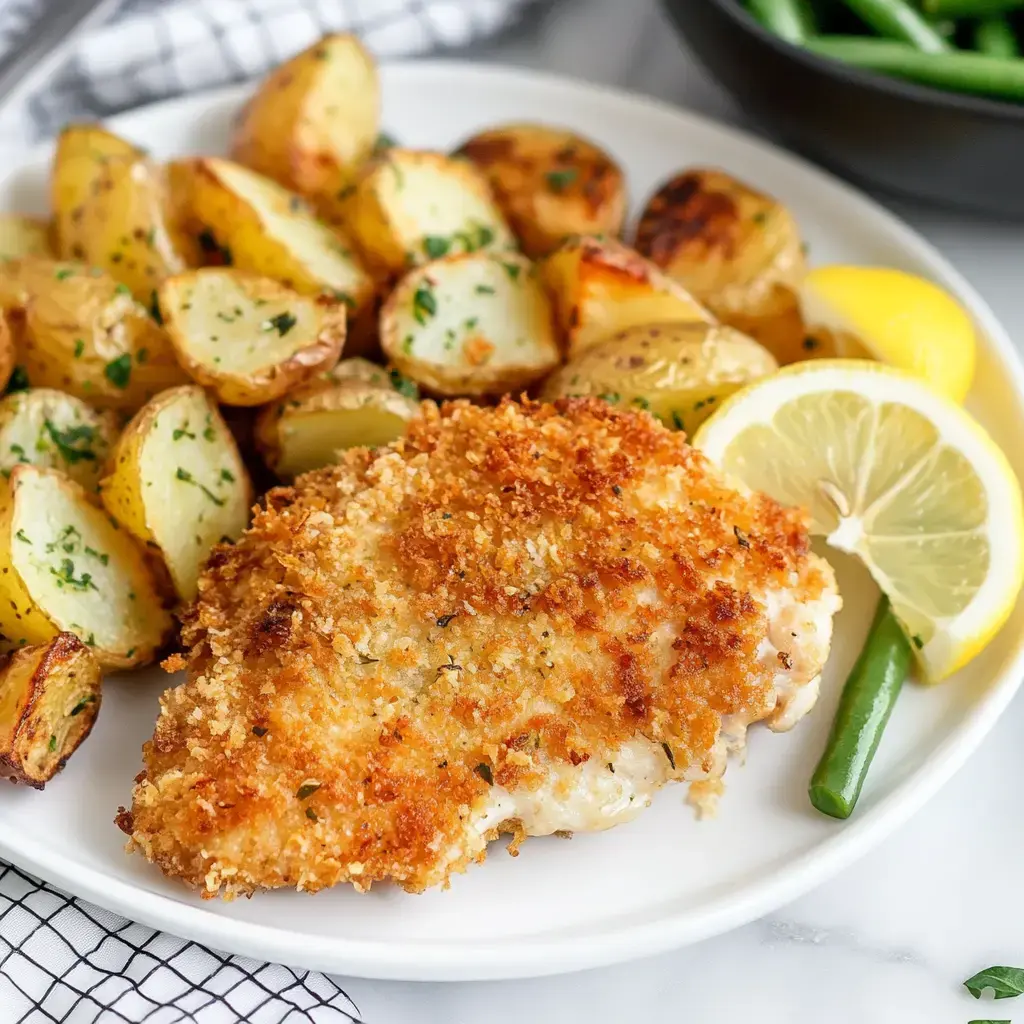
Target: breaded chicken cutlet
{"x":525,"y":618}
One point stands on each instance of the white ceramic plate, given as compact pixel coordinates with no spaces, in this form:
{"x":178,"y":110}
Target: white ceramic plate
{"x":665,"y":879}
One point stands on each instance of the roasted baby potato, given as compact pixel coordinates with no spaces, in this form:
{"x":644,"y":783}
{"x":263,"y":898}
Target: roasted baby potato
{"x":601,"y":287}
{"x":248,"y":338}
{"x":736,"y":250}
{"x":477,"y":324}
{"x":84,"y":334}
{"x":23,"y":236}
{"x":410,"y":207}
{"x":313,"y":120}
{"x":68,"y":568}
{"x":8,"y":349}
{"x":679,"y":372}
{"x":49,"y":699}
{"x":178,"y":484}
{"x":81,"y":154}
{"x":55,"y":430}
{"x":264,"y":228}
{"x":550,"y":183}
{"x":128,"y":225}
{"x":311,"y":425}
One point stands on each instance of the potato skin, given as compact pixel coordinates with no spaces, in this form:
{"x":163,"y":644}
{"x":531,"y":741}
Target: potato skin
{"x":314,"y":120}
{"x":550,"y":183}
{"x":86,"y":335}
{"x":49,"y":699}
{"x":8,"y":349}
{"x":679,"y":372}
{"x":737,"y":250}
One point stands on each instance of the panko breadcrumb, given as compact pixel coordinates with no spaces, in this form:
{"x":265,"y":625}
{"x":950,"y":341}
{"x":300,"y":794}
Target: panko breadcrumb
{"x":524,"y":618}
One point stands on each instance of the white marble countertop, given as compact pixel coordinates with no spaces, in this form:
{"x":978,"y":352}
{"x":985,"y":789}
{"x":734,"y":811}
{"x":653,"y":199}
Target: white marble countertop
{"x":890,"y":940}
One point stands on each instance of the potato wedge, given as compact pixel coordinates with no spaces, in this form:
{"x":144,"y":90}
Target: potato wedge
{"x":177,"y":483}
{"x":601,"y":287}
{"x":24,"y":236}
{"x":410,"y":207}
{"x":55,"y":430}
{"x":261,"y":227}
{"x":249,"y":338}
{"x":477,"y":324}
{"x":85,"y":334}
{"x":314,"y":120}
{"x":8,"y":349}
{"x":314,"y":423}
{"x":680,"y":373}
{"x":550,"y":183}
{"x":735,"y":249}
{"x":68,"y":568}
{"x":81,"y":154}
{"x":125,"y":226}
{"x":49,"y":700}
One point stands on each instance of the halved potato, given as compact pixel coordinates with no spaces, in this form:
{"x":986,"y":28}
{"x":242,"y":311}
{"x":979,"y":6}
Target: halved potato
{"x":314,"y":120}
{"x":262,"y":227}
{"x":80,"y":156}
{"x":314,"y":423}
{"x":410,"y":207}
{"x":248,"y":338}
{"x":125,"y":225}
{"x":550,"y":183}
{"x":478,"y":324}
{"x":8,"y":349}
{"x":49,"y":699}
{"x":737,"y":250}
{"x":678,"y":372}
{"x":68,"y":568}
{"x":177,"y":483}
{"x":55,"y":430}
{"x":23,"y":236}
{"x":358,"y":369}
{"x":84,"y":333}
{"x":601,"y":287}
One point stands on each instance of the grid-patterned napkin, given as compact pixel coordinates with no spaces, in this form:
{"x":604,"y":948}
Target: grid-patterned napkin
{"x":62,"y":960}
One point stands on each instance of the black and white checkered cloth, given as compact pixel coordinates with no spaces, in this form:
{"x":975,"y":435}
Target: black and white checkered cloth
{"x":63,"y":960}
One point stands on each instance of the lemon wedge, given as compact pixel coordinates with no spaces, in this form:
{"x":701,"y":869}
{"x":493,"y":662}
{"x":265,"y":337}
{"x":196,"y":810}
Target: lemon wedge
{"x":896,"y":474}
{"x":895,"y":317}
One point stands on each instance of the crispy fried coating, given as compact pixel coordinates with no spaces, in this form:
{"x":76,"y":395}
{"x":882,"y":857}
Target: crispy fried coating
{"x":408,"y":649}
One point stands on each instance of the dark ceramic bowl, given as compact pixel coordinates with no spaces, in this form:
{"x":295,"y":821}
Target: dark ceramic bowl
{"x":956,"y":150}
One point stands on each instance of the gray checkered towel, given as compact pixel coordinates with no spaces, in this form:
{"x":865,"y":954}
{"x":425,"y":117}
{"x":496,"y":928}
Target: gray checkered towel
{"x":62,"y":959}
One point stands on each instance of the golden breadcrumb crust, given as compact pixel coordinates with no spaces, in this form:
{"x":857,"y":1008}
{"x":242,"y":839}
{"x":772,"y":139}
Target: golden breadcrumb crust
{"x":505,"y":590}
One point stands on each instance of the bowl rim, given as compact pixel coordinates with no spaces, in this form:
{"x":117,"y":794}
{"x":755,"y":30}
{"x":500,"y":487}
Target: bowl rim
{"x":966,"y":102}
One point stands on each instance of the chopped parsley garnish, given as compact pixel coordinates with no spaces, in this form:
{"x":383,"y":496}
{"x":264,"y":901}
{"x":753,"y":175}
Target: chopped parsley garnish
{"x":478,"y":237}
{"x":282,"y":323}
{"x":18,"y":381}
{"x":559,"y":181}
{"x":307,"y":789}
{"x":208,"y":433}
{"x":101,"y":556}
{"x":53,"y":743}
{"x":918,"y":642}
{"x":424,"y":303}
{"x":610,"y":396}
{"x":122,"y":289}
{"x":186,"y":477}
{"x":760,"y":217}
{"x":179,"y":432}
{"x":80,"y":706}
{"x":383,"y":143}
{"x":119,"y":371}
{"x":513,"y":270}
{"x":485,"y":773}
{"x":63,"y":274}
{"x":154,"y":308}
{"x":79,"y":348}
{"x":404,"y":386}
{"x":641,"y":403}
{"x":407,"y":344}
{"x":484,"y":289}
{"x":23,"y":537}
{"x":227,"y":476}
{"x":435,"y":246}
{"x":72,"y":443}
{"x":66,"y":575}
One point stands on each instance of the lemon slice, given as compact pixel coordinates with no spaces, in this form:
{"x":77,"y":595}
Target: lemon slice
{"x":896,"y":474}
{"x":898,"y":318}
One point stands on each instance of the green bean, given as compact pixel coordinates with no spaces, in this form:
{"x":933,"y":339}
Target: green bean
{"x":994,"y":35}
{"x":865,"y":705}
{"x":896,"y":19}
{"x":793,"y":20}
{"x":961,"y":72}
{"x":968,"y":8}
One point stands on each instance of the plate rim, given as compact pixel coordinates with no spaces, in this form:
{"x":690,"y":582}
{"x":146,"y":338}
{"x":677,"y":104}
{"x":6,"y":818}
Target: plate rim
{"x":528,"y":956}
